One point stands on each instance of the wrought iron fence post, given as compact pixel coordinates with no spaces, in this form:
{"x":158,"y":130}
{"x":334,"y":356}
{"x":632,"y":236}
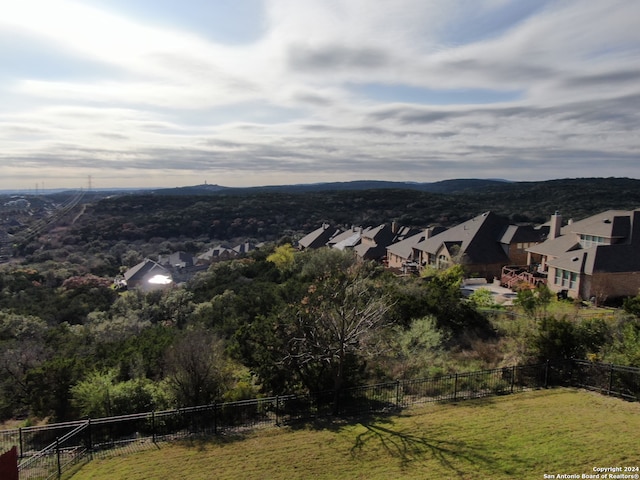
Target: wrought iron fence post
{"x":546,"y":374}
{"x":153,"y":426}
{"x":58,"y":457}
{"x":513,"y":377}
{"x":455,"y":386}
{"x":397,"y":393}
{"x":277,"y":410}
{"x":610,"y":379}
{"x":20,"y":441}
{"x":215,"y":418}
{"x":89,"y":436}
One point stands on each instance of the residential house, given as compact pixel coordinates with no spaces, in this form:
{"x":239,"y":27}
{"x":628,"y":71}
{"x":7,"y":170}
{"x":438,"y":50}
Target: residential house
{"x":479,"y":245}
{"x":177,"y":260}
{"x":400,"y":255}
{"x":319,"y":237}
{"x":595,"y":258}
{"x":214,"y":254}
{"x":244,"y":248}
{"x":147,"y":276}
{"x":346,"y":240}
{"x":367,"y":243}
{"x":181,"y":265}
{"x":374,"y":242}
{"x":516,"y":239}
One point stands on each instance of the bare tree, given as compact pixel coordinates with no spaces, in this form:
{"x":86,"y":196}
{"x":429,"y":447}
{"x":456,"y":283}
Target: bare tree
{"x":198,"y":368}
{"x":337,"y":320}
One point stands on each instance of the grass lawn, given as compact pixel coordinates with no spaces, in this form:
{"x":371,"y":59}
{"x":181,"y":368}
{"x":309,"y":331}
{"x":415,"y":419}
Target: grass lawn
{"x":521,"y":436}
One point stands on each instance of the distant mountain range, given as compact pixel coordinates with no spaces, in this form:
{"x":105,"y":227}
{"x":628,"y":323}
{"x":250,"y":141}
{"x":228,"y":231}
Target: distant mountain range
{"x":446,"y":186}
{"x":615,"y":186}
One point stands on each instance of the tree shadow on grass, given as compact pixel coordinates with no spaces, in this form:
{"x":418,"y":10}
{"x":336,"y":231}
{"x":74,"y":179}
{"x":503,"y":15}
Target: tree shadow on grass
{"x":409,"y":448}
{"x":202,"y":442}
{"x":338,"y":423}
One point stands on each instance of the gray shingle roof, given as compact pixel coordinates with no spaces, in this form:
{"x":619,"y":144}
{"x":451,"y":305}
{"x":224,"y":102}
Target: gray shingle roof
{"x":404,"y":248}
{"x":523,"y":233}
{"x":614,"y":224}
{"x":319,"y":237}
{"x":601,"y":258}
{"x":479,"y":239}
{"x":144,"y":269}
{"x":609,"y":224}
{"x":347,"y":239}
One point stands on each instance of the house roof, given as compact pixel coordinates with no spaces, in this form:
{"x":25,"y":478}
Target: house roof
{"x":144,"y":271}
{"x":404,"y":248}
{"x":523,"y":233}
{"x":556,"y":247}
{"x":319,"y":237}
{"x":370,"y":252}
{"x":380,"y":237}
{"x":478,"y":239}
{"x":614,"y":259}
{"x":402,"y":233}
{"x":381,"y":233}
{"x":347,"y":239}
{"x":245,"y":247}
{"x":615,"y":224}
{"x":609,"y":224}
{"x":600,"y":258}
{"x":566,"y":253}
{"x":177,"y":259}
{"x":216,"y":252}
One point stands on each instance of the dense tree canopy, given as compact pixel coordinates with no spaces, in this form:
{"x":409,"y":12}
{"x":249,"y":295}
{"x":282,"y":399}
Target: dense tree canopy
{"x":274,"y":321}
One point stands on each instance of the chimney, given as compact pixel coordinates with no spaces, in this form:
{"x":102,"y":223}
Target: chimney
{"x":556,"y":225}
{"x":394,"y":227}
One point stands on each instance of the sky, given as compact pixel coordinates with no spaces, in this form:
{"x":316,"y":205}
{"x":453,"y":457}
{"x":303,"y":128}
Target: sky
{"x":155,"y":93}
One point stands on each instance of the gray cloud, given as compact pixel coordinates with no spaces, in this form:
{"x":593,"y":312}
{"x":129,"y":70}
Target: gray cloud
{"x":313,"y":99}
{"x":607,"y":80}
{"x":409,"y":114}
{"x":327,"y":58}
{"x":504,"y":72}
{"x":407,"y":90}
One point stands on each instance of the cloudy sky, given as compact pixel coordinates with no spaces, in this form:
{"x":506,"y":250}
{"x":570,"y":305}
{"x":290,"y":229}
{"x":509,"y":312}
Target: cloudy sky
{"x":148,"y":93}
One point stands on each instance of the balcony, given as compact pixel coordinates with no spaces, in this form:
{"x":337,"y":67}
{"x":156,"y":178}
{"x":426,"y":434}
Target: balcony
{"x":518,"y":276}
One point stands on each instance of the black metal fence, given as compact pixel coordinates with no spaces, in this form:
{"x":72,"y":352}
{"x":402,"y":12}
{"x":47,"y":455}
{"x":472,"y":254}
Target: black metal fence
{"x":608,"y":379}
{"x":50,"y":450}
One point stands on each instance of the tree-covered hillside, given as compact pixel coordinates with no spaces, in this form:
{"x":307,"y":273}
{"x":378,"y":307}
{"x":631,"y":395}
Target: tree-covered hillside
{"x":277,"y":320}
{"x":269,"y":215}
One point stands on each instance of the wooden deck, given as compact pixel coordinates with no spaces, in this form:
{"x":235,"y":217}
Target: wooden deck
{"x":514,"y":275}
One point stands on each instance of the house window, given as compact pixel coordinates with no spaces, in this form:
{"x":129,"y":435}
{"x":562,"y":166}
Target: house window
{"x":565,"y":278}
{"x":587,"y":241}
{"x":573,"y":280}
{"x":520,"y":246}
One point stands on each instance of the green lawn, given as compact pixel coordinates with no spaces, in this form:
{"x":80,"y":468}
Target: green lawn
{"x":520,"y":436}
